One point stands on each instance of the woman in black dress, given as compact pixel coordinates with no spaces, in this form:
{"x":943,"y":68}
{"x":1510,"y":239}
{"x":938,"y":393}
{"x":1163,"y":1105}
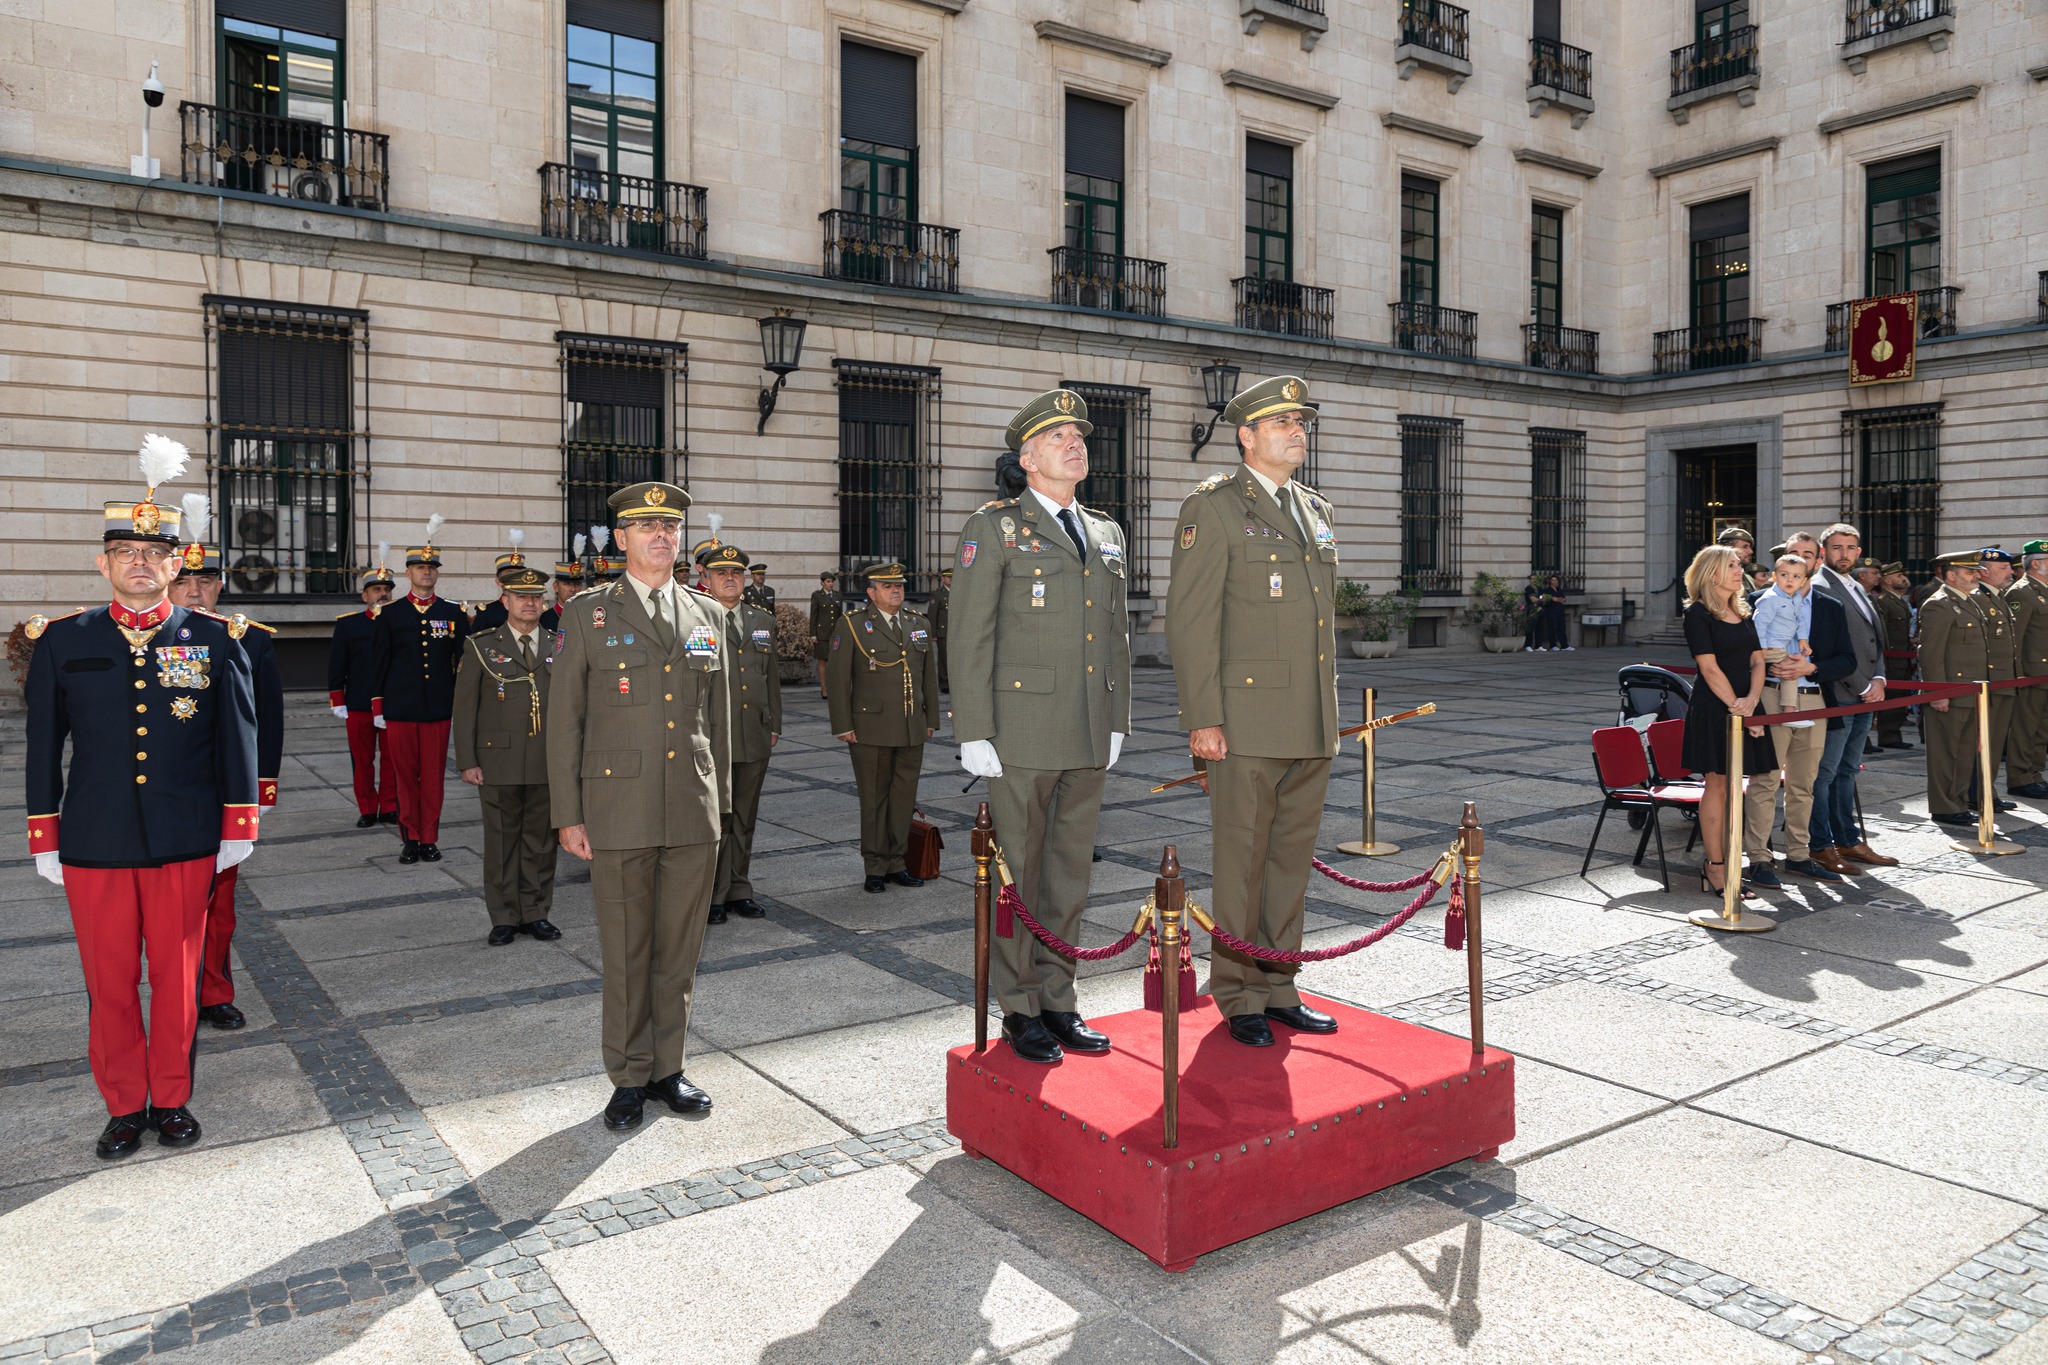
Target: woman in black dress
{"x":1722,"y":641}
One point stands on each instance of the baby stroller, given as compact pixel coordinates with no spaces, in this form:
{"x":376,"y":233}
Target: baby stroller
{"x":1650,"y":693}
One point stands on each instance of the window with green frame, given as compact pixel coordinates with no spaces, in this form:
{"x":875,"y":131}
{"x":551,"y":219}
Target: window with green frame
{"x":1095,"y":175}
{"x":614,"y":103}
{"x":1546,"y":265}
{"x":1268,"y":209}
{"x":877,"y":132}
{"x":280,"y":72}
{"x":1903,"y":225}
{"x":1421,"y":206}
{"x":1720,"y":262}
{"x":1716,"y":19}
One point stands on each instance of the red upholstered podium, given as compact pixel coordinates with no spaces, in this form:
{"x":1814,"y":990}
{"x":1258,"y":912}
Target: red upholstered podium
{"x":1267,"y":1135}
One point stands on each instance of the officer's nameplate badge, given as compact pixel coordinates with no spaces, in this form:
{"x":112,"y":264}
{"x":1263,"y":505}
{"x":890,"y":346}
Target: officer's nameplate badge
{"x":183,"y":666}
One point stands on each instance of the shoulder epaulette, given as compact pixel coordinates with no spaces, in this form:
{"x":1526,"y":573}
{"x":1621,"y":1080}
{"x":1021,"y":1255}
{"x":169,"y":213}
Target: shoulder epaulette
{"x":1310,"y":491}
{"x":260,"y":626}
{"x":345,"y":615}
{"x":1213,"y":482}
{"x":36,"y":625}
{"x":996,"y":502}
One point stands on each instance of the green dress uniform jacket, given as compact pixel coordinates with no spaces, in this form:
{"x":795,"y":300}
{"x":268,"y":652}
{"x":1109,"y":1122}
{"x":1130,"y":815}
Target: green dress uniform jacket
{"x":1041,"y":665}
{"x":1895,"y":618}
{"x":883,"y":685}
{"x":940,"y":610}
{"x":1251,"y":625}
{"x":824,"y":616}
{"x":2026,"y":741}
{"x":754,"y":695}
{"x":501,"y":727}
{"x":1961,"y":641}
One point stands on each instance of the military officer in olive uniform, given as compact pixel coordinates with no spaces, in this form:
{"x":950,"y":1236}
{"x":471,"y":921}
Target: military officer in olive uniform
{"x":2002,"y":645}
{"x":882,"y":676}
{"x":757,"y":592}
{"x":1250,"y":623}
{"x":2026,"y":744}
{"x":1961,"y":641}
{"x":824,"y":616}
{"x":1895,"y":616}
{"x":500,"y":733}
{"x":639,"y":752}
{"x":754,"y":693}
{"x":940,"y":609}
{"x":1042,"y":702}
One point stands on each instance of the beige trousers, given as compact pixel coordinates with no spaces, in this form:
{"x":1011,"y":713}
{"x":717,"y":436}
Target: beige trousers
{"x":1798,"y":761}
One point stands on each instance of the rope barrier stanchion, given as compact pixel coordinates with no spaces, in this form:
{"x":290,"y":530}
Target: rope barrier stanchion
{"x":1169,"y":896}
{"x":1367,"y":845}
{"x":1730,"y":919}
{"x":983,"y":842}
{"x":1471,"y":844}
{"x":1987,"y":841}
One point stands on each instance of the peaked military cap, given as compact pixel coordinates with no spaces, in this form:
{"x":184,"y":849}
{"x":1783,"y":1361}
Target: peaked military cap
{"x":758,"y":566}
{"x":1958,"y":559}
{"x":1048,"y":409}
{"x":568,"y":571}
{"x":198,"y":561}
{"x":1268,"y":398}
{"x":1776,"y":552}
{"x":651,"y":499}
{"x":721,"y":557}
{"x":522,"y":578}
{"x":885,"y":573}
{"x":1896,"y":566}
{"x":1867,"y":563}
{"x":1991,"y":554}
{"x":1730,"y":535}
{"x":372,"y":577}
{"x":422,"y":554}
{"x":508,"y":560}
{"x":145,"y":520}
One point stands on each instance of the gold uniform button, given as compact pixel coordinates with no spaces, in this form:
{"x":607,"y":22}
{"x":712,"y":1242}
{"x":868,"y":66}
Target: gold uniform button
{"x":607,"y":772}
{"x":140,"y":709}
{"x":671,"y":725}
{"x":622,"y":668}
{"x":671,"y":753}
{"x":140,"y":756}
{"x":140,"y":779}
{"x":1089,"y":603}
{"x":668,"y":696}
{"x":1091,"y":668}
{"x":1272,"y":556}
{"x":1319,"y":658}
{"x":1091,"y":635}
{"x":1304,"y":559}
{"x":1247,"y":682}
{"x":1034,"y":573}
{"x":1319,"y":620}
{"x":664,"y":668}
{"x":1016,"y":684}
{"x":139,"y":683}
{"x":142,"y":729}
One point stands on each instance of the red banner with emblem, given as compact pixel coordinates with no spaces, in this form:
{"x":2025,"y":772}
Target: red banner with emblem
{"x":1881,"y":336}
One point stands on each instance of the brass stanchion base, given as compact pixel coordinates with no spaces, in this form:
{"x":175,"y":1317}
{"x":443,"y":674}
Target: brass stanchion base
{"x":1748,"y":924}
{"x":1358,"y":848}
{"x":1997,"y":848}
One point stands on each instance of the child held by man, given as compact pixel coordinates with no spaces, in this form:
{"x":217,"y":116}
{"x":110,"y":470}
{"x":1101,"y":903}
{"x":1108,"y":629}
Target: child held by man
{"x":1784,"y":624}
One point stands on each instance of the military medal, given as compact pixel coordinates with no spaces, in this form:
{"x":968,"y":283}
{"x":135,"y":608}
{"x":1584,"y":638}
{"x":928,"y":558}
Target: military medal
{"x":184,"y":708}
{"x":1275,"y":585}
{"x":597,"y":618}
{"x":183,"y":666}
{"x":625,"y":686}
{"x":1009,"y":529}
{"x":1038,"y":594}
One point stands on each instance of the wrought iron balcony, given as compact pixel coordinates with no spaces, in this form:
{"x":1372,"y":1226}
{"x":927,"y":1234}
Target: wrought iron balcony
{"x":1430,"y":330}
{"x":1869,"y":18}
{"x":1550,"y":346}
{"x":636,"y":211}
{"x":1709,"y":346}
{"x":1116,"y":284}
{"x":1436,"y":26}
{"x":890,"y":251}
{"x":291,"y":158}
{"x":1285,"y":308}
{"x":1937,"y":316}
{"x":1562,"y":67}
{"x":1305,"y":17}
{"x":1714,"y":61}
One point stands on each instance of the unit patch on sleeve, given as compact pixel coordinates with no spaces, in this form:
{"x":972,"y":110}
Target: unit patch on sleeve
{"x":1187,"y":537}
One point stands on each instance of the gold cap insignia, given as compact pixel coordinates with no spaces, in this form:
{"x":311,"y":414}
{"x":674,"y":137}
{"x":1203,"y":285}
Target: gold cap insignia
{"x":1291,"y":391}
{"x":1064,"y":401}
{"x":195,"y":557}
{"x":655,"y":497}
{"x":149,"y":518}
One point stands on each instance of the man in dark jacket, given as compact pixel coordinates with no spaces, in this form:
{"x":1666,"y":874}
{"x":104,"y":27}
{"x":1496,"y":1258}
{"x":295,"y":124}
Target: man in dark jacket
{"x":413,"y":659}
{"x":350,"y":686}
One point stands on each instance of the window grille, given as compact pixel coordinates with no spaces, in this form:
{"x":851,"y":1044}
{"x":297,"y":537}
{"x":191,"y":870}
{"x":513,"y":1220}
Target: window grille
{"x":625,"y":420}
{"x":1119,"y":482}
{"x":889,"y":460}
{"x":288,"y":445}
{"x":1432,"y":504}
{"x":1557,"y":505}
{"x":1895,"y":500}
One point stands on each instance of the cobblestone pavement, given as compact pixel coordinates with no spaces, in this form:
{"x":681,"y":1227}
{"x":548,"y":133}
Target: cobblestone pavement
{"x":1827,"y":1143}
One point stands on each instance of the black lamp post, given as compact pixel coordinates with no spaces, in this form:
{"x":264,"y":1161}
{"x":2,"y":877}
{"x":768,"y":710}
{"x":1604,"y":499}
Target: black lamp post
{"x":782,"y":351}
{"x":1219,"y":386}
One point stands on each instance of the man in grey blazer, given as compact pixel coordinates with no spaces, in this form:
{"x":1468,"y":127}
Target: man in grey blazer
{"x":639,"y":758}
{"x":1834,"y":785}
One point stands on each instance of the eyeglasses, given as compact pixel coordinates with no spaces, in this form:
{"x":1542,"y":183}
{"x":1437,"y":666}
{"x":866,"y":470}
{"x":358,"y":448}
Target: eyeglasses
{"x":148,"y":554}
{"x":1287,"y":421}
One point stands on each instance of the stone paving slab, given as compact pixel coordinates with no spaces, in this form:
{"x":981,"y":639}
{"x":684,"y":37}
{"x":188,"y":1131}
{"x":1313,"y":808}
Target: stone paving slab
{"x":871,"y":1076}
{"x":1925,"y":945}
{"x":784,"y":1000}
{"x":414,"y":1330}
{"x":393,"y":928}
{"x":488,"y":1052}
{"x":387,"y":981}
{"x":1848,"y":990}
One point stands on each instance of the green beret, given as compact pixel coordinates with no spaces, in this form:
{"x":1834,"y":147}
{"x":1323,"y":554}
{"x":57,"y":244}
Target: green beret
{"x":2035,"y":547}
{"x":1048,"y":409}
{"x":1268,"y":398}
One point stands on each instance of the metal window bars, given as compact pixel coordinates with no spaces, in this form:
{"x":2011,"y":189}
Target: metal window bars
{"x":1285,"y":308}
{"x":1711,"y":61}
{"x":1557,"y":505}
{"x":1432,"y":504}
{"x":625,"y":420}
{"x":1869,"y":18}
{"x":1892,"y":481}
{"x":1119,"y":481}
{"x":1430,"y":330}
{"x":301,"y":159}
{"x":603,"y":208}
{"x":891,"y":251}
{"x":889,"y":467}
{"x":1115,"y":284}
{"x":1434,"y":25}
{"x":1937,"y":312}
{"x":1551,"y":346}
{"x":1709,"y":345}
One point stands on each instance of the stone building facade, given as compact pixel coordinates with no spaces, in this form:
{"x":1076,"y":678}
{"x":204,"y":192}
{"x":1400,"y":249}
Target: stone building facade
{"x":1562,"y":279}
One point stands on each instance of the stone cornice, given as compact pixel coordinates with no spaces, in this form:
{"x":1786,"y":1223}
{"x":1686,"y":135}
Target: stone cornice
{"x":1443,"y":132}
{"x":1054,"y":32}
{"x":1529,"y":156}
{"x":1245,"y":80}
{"x":1693,"y":163}
{"x":1960,"y":95}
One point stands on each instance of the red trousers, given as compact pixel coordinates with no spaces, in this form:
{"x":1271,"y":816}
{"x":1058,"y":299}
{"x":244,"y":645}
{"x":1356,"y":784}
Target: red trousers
{"x":369,"y":753}
{"x":216,"y":985}
{"x":417,"y":751}
{"x":115,"y":912}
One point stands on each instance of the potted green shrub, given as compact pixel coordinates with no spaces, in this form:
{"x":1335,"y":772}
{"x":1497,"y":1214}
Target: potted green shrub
{"x":1376,"y":624}
{"x":1497,"y":610}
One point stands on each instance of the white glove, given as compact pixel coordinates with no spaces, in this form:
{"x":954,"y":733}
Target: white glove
{"x":978,"y":756}
{"x":49,"y":869}
{"x":1116,"y":747}
{"x":380,"y":722}
{"x":341,"y":713}
{"x":232,"y":851}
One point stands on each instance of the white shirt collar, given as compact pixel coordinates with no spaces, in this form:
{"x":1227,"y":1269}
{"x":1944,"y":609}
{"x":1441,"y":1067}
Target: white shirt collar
{"x":1267,"y":484}
{"x":1052,"y":506}
{"x":666,"y":592}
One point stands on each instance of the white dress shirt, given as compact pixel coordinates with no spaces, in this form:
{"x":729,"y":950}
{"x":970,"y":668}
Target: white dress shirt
{"x":1290,"y":503}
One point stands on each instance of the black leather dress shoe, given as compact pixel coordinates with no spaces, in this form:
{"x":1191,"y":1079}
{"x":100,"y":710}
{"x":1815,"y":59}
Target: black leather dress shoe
{"x":717,"y":915}
{"x":2001,"y":804}
{"x":902,"y":878}
{"x":411,"y":852}
{"x":389,"y":817}
{"x":365,"y":821}
{"x":1073,"y":1032}
{"x":175,"y":1127}
{"x":122,"y":1135}
{"x":540,"y":930}
{"x":502,"y":934}
{"x":430,"y":853}
{"x":1959,"y":818}
{"x":678,"y":1094}
{"x":874,"y":885}
{"x":1807,"y":867}
{"x":1899,"y":744}
{"x":1028,"y":1038}
{"x":1302,"y":1018}
{"x":1251,"y":1029}
{"x":221,"y":1016}
{"x":2034,"y":790}
{"x":748,"y":908}
{"x":625,"y":1109}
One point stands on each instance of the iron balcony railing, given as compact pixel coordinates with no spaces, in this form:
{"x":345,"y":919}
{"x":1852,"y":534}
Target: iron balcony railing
{"x":1709,"y":345}
{"x":1430,"y":330}
{"x":1307,"y":6}
{"x":1937,"y":316}
{"x":1711,"y":61}
{"x":292,"y":158}
{"x":1550,"y":346}
{"x":1285,"y":308}
{"x":1099,"y":279}
{"x":601,"y":208}
{"x":1564,"y":68}
{"x":891,"y":251}
{"x":1434,"y":25}
{"x":1869,"y":18}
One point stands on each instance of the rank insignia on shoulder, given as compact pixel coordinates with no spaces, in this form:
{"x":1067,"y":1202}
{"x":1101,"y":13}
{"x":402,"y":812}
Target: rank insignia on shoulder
{"x":1187,"y":537}
{"x":1214,"y":481}
{"x":35,"y":627}
{"x":238,"y":626}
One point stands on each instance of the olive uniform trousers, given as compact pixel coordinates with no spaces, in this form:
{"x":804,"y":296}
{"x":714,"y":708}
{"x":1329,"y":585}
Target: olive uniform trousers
{"x":519,"y":852}
{"x":1045,"y":824}
{"x":732,"y":881}
{"x":1267,"y":813}
{"x":652,"y":905}
{"x":886,"y":776}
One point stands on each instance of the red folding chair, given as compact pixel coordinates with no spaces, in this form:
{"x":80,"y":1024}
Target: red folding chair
{"x":1667,"y":758}
{"x":1622,"y":765}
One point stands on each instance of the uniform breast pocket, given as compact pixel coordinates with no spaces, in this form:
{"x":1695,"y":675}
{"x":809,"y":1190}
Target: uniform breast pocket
{"x":1268,"y":572}
{"x":615,"y":763}
{"x":624,"y":676}
{"x":1114,"y":563}
{"x":493,"y":739}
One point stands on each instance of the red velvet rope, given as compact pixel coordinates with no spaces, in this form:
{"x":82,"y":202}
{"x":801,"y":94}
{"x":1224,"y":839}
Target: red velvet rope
{"x":1356,"y":885}
{"x":1014,"y":903}
{"x":1237,"y":945}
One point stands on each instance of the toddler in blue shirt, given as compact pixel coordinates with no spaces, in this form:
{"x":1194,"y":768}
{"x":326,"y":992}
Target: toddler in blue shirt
{"x":1784,"y":624}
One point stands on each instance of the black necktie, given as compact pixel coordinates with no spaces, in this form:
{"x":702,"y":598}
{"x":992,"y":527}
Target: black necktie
{"x":1072,"y":525}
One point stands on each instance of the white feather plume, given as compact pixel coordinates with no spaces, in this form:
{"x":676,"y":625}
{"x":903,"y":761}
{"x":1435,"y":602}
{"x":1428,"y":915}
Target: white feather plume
{"x":162,"y":459}
{"x":716,"y":521}
{"x":383,"y":554}
{"x":434,"y":525}
{"x":581,"y":541}
{"x":600,"y":536}
{"x":517,"y":536}
{"x":198,"y":517}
